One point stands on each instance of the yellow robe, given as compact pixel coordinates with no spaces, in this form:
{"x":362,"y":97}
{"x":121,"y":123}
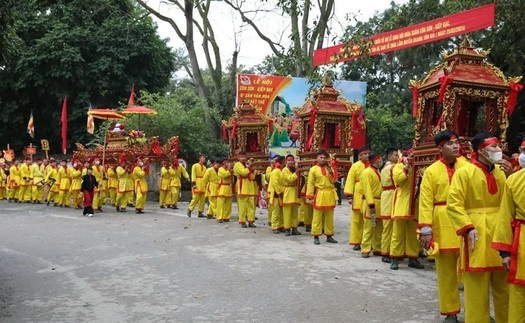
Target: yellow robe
{"x":353,"y":185}
{"x":433,"y":195}
{"x":371,"y":184}
{"x":25,"y":175}
{"x":165,"y":178}
{"x":124,"y":180}
{"x":470,"y":205}
{"x":64,"y":175}
{"x":76,"y":179}
{"x":175,"y":176}
{"x":388,"y":187}
{"x":290,"y":182}
{"x":246,"y":185}
{"x":225,"y":183}
{"x":510,"y":226}
{"x":276,"y":187}
{"x":211,"y":180}
{"x":401,"y":203}
{"x":320,"y":187}
{"x":112,"y":178}
{"x":197,"y":173}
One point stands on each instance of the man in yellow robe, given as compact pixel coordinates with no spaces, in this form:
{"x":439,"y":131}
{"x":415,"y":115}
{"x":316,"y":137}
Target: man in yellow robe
{"x":211,"y":180}
{"x":387,"y":197}
{"x":13,"y":183}
{"x":435,"y":224}
{"x":473,"y":205}
{"x":275,"y":191}
{"x":176,"y":172}
{"x":26,"y":181}
{"x":76,"y":183}
{"x":404,"y":237}
{"x":3,"y":181}
{"x":354,"y":192}
{"x":372,"y":227}
{"x":64,"y":176}
{"x":53,"y":181}
{"x":305,"y":208}
{"x":291,"y":200}
{"x":246,"y":189}
{"x":225,"y":194}
{"x":198,"y":190}
{"x":321,"y":194}
{"x":141,"y":185}
{"x":267,"y":176}
{"x":125,"y":186}
{"x":112,"y":184}
{"x":37,"y":173}
{"x":164,"y":185}
{"x":509,"y":240}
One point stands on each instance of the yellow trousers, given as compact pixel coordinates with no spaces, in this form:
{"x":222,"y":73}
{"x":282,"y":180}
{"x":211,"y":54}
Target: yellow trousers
{"x":64,"y":197}
{"x":113,"y":196}
{"x":123,"y":199}
{"x":404,"y":239}
{"x":300,"y":217}
{"x":174,"y":195}
{"x":199,"y":199}
{"x":270,"y":213}
{"x":323,"y":222}
{"x":356,"y":228}
{"x":516,"y":303}
{"x":212,"y":207}
{"x":246,"y":205}
{"x":52,"y":195}
{"x":224,"y":207}
{"x":99,"y":199}
{"x":37,"y":193}
{"x":140,"y":202}
{"x":164,"y":197}
{"x":477,"y":291}
{"x":371,"y":236}
{"x":24,"y":193}
{"x":76,"y":198}
{"x":3,"y":193}
{"x":447,"y":278}
{"x":308,"y":212}
{"x":290,"y":216}
{"x":386,"y":237}
{"x":277,"y":216}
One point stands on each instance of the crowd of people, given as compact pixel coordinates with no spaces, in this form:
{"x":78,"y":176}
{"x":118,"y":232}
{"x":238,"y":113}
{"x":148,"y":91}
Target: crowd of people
{"x":468,"y":214}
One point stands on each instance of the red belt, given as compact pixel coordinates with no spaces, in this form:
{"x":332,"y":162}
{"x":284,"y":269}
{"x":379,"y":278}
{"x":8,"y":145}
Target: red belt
{"x":440,"y":203}
{"x":389,"y":188}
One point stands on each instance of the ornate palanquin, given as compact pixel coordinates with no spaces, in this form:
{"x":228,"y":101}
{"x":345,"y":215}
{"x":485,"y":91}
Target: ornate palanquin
{"x":326,"y":123}
{"x":464,"y":93}
{"x":247,"y":130}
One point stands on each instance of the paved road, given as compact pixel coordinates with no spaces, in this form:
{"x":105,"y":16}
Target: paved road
{"x":58,"y":266}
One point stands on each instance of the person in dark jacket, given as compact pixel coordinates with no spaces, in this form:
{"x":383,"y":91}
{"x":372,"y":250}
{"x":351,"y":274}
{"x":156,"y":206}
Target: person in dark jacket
{"x":89,"y":183}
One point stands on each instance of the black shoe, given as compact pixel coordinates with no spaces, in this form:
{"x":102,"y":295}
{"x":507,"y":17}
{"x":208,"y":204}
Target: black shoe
{"x":269,"y":224}
{"x":365,"y":255}
{"x":244,"y":225}
{"x":210,"y":217}
{"x":139,"y":211}
{"x":123,"y":210}
{"x":47,"y":203}
{"x":386,"y":259}
{"x":100,"y":210}
{"x":118,"y":208}
{"x":219,"y":221}
{"x":131,"y":205}
{"x":300,"y":224}
{"x":330,"y":239}
{"x":282,"y":230}
{"x":395,"y":264}
{"x":188,"y":213}
{"x":162,"y":206}
{"x":316,"y":240}
{"x":413,"y":263}
{"x":288,"y":233}
{"x":356,"y":248}
{"x":226,"y":220}
{"x":251,"y":225}
{"x":175,"y":207}
{"x":276,"y":231}
{"x":295,"y":232}
{"x":308,"y":228}
{"x":201,"y":215}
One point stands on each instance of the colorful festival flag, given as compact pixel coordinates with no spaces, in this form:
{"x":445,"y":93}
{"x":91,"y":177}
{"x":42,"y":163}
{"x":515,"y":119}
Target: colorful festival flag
{"x":90,"y":122}
{"x":63,"y":119}
{"x":31,"y":126}
{"x":131,"y":101}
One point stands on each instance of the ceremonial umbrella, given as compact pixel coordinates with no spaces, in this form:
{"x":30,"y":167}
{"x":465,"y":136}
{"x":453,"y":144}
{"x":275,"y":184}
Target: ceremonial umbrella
{"x":105,"y":114}
{"x":139,"y":109}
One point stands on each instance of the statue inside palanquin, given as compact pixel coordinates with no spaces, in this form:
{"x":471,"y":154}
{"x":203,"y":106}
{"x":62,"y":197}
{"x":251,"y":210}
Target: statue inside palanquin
{"x":252,"y":144}
{"x":471,"y":116}
{"x":331,"y":136}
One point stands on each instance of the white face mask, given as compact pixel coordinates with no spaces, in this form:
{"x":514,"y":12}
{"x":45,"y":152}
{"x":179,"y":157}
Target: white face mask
{"x":494,"y":156}
{"x":97,"y":162}
{"x":521,"y":160}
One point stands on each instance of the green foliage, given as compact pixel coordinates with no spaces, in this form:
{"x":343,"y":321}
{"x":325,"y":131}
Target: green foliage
{"x":178,"y":118}
{"x":89,"y":50}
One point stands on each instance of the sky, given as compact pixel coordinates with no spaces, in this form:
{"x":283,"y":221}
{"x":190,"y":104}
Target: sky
{"x":227,"y":27}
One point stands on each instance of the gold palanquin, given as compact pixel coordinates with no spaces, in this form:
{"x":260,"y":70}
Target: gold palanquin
{"x":247,"y":130}
{"x":326,"y":123}
{"x":465,"y":94}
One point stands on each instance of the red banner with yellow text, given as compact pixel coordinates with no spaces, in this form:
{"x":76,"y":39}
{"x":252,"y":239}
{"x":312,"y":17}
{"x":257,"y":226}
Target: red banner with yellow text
{"x":260,"y":90}
{"x":423,"y":33}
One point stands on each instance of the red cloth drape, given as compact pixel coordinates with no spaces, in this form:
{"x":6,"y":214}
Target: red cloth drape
{"x":63,"y":119}
{"x":515,"y":88}
{"x":445,"y":81}
{"x":415,"y":94}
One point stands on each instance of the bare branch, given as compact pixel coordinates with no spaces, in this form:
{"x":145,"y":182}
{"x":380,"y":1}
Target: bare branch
{"x":163,"y":18}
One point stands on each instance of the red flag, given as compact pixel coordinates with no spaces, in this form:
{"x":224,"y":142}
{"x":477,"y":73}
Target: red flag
{"x":131,"y":101}
{"x":63,"y":118}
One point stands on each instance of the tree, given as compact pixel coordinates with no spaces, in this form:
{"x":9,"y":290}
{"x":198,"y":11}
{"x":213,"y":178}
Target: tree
{"x":89,"y":50}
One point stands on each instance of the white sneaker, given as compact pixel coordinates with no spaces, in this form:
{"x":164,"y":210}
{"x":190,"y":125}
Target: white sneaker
{"x":90,"y":215}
